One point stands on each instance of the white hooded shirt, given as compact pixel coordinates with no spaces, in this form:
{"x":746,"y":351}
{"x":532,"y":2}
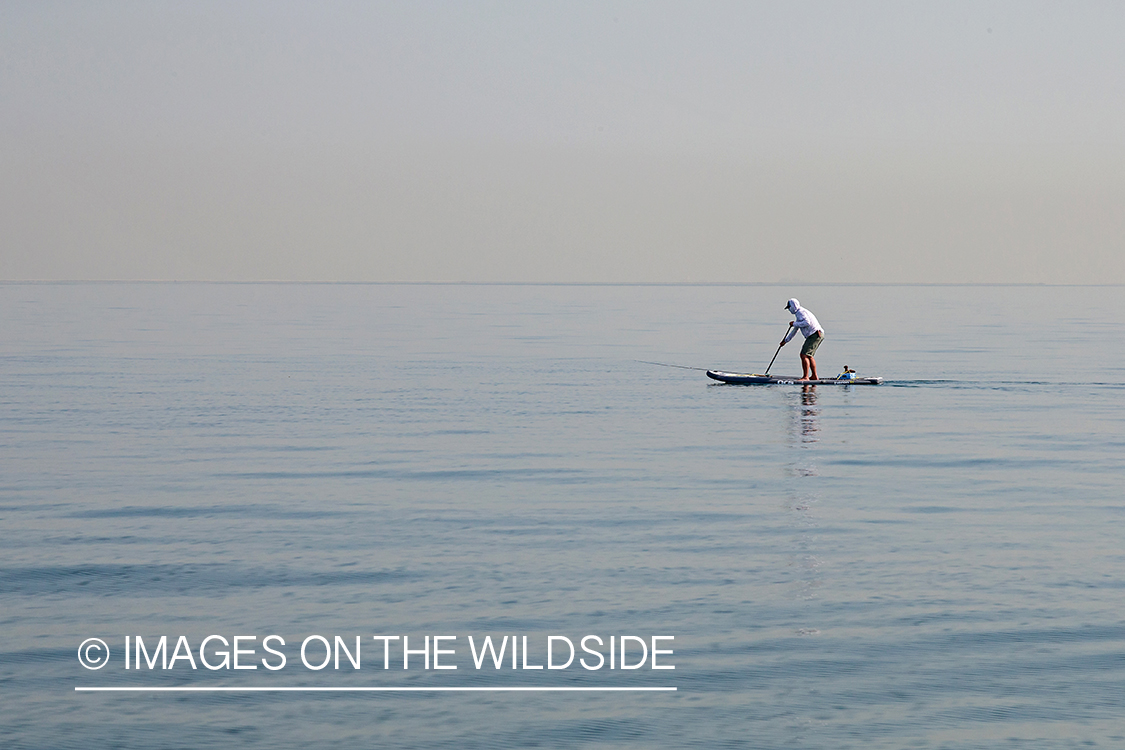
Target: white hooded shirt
{"x":806,"y":322}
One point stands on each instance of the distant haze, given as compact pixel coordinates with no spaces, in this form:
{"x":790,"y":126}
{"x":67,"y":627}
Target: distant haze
{"x":563,"y":142}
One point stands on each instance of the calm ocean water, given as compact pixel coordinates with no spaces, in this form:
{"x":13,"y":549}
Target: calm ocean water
{"x":937,"y":562}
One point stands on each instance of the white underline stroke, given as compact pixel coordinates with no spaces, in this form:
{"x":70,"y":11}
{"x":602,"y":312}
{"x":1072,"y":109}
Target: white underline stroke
{"x":285,"y":689}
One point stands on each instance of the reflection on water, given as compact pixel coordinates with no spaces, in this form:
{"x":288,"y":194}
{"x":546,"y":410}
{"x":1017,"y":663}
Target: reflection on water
{"x":808,"y":415}
{"x":804,"y":559}
{"x":803,"y":497}
{"x":805,"y":430}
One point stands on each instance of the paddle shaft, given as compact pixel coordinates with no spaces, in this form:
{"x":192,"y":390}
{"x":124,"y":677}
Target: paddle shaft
{"x":775,"y":355}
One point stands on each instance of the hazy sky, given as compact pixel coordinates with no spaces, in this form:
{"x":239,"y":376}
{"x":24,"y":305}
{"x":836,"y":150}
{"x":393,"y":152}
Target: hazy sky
{"x":569,"y":141}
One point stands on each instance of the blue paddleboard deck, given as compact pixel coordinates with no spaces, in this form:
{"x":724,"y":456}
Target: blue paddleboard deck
{"x":735,"y":378}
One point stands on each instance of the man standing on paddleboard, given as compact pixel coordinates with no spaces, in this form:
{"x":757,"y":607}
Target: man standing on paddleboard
{"x":807,"y":324}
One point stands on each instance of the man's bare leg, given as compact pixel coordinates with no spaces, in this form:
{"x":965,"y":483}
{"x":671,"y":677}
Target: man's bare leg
{"x":812,"y":368}
{"x":805,"y":359}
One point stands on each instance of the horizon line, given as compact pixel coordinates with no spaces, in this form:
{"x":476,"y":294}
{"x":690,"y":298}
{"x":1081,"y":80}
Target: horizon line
{"x":283,"y":282}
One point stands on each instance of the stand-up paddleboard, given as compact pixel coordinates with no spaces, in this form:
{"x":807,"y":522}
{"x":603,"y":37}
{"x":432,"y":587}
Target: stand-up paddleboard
{"x":735,"y":378}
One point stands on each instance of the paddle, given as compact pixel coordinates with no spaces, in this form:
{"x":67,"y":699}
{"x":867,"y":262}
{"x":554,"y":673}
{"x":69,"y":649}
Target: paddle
{"x":777,"y":352}
{"x":775,"y":356}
